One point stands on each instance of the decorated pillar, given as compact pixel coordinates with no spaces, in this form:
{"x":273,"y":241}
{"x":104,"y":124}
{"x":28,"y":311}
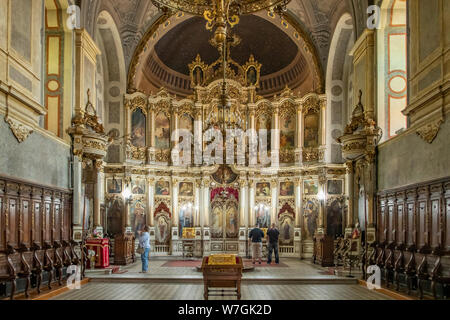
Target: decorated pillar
{"x":274,"y":200}
{"x":251,"y":204}
{"x":299,"y":135}
{"x":323,"y":128}
{"x":298,"y":201}
{"x":151,"y":134}
{"x":197,"y":203}
{"x":275,"y":152}
{"x":175,"y":202}
{"x":322,"y":202}
{"x":351,"y":198}
{"x":77,"y":215}
{"x":98,"y":195}
{"x":198,"y":134}
{"x":151,"y":201}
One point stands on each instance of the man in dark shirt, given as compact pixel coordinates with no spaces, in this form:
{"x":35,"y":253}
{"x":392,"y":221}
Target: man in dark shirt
{"x":272,"y":243}
{"x":255,"y":240}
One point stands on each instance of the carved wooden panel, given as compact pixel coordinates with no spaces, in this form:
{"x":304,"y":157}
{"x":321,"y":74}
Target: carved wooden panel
{"x":56,"y":223}
{"x":435,"y":229}
{"x":2,"y":225}
{"x":422,"y":220}
{"x":411,"y":226}
{"x":382,"y":225}
{"x":400,"y":229}
{"x":37,"y":230}
{"x":447,"y":218}
{"x":25,"y":222}
{"x":12,"y":222}
{"x":390,"y":224}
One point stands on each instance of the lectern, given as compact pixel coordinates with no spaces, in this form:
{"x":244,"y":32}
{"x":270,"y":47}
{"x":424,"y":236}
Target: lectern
{"x":222,"y":274}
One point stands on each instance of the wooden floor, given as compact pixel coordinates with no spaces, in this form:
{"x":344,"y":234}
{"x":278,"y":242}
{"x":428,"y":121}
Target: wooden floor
{"x":161,"y":291}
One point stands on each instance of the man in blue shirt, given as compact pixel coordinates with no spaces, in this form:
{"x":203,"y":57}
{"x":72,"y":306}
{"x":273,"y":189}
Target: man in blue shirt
{"x":255,"y":240}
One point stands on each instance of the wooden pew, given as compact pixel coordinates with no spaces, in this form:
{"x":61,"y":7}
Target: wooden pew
{"x":422,"y":269}
{"x":437,"y":274}
{"x":10,"y":274}
{"x":389,"y":263}
{"x":410,"y":269}
{"x":399,"y":266}
{"x":48,"y":263}
{"x":25,"y":269}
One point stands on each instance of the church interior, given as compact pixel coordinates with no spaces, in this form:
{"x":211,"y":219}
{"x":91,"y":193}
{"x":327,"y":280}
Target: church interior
{"x":202,"y":120}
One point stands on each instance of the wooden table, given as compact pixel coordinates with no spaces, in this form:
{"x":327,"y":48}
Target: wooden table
{"x":222,"y":279}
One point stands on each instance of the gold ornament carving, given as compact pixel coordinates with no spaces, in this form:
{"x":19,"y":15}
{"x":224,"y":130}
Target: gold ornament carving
{"x":429,"y":131}
{"x":20,"y":131}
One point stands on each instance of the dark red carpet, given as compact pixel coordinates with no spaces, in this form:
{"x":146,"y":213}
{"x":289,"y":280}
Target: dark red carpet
{"x":198,"y":263}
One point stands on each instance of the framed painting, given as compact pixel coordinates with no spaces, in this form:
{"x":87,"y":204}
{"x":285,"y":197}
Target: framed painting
{"x":287,"y":133}
{"x":334,"y":187}
{"x":138,"y":125}
{"x":186,"y":189}
{"x":263,"y":189}
{"x":162,"y":188}
{"x":114,"y":186}
{"x":311,"y":187}
{"x":286,"y":189}
{"x":138,"y":186}
{"x":162,"y":132}
{"x":311,"y":131}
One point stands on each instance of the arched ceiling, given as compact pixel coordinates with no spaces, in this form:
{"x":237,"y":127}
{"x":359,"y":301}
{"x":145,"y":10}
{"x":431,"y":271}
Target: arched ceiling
{"x":317,"y":18}
{"x":264,"y":40}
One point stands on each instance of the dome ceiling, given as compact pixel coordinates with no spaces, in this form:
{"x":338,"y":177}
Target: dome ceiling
{"x":181,"y":44}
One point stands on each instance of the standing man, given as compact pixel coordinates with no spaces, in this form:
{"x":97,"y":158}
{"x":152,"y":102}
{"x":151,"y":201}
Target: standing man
{"x":255,"y":237}
{"x":272,"y":239}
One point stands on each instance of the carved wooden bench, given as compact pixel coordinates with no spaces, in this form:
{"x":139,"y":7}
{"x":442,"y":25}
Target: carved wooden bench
{"x":25,"y":269}
{"x":389,"y":264}
{"x":422,"y":269}
{"x":37,"y":268}
{"x":48,"y":263}
{"x":10,"y":275}
{"x":410,"y":269}
{"x":399,"y":266}
{"x":437,"y":274}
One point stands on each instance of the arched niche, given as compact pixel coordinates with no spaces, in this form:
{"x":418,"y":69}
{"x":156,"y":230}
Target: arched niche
{"x":338,"y":86}
{"x":110,"y":82}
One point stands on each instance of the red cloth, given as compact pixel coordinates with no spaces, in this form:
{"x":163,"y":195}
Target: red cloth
{"x":101,"y":249}
{"x":232,"y":191}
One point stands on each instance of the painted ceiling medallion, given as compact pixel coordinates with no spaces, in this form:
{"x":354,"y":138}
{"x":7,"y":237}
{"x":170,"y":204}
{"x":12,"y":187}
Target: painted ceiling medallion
{"x":429,"y":131}
{"x":20,"y":131}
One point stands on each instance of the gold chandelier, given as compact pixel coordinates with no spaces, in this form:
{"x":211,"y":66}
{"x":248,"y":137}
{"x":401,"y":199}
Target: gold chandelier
{"x":219,"y":13}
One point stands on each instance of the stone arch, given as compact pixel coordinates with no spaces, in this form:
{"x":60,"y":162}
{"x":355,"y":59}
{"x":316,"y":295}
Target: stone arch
{"x":338,"y":85}
{"x":110,"y":80}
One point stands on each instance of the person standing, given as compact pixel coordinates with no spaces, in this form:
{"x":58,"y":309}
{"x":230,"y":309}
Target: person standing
{"x":144,"y":246}
{"x":272,"y":244}
{"x":255,"y":239}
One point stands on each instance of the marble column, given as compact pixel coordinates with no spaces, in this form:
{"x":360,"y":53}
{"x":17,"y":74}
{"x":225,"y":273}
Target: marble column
{"x":251,"y":205}
{"x":298,"y":202}
{"x":198,"y":135}
{"x":197,"y":203}
{"x":175,"y":212}
{"x":242,"y":200}
{"x":206,"y":200}
{"x":274,"y":206}
{"x":351,"y":197}
{"x":77,"y":216}
{"x":275,"y":152}
{"x":150,"y":201}
{"x":299,"y":135}
{"x":98,"y":195}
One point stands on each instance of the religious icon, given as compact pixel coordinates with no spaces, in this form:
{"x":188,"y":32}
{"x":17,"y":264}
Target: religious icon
{"x":138,"y":218}
{"x":138,"y":128}
{"x":251,"y":76}
{"x":287,"y":133}
{"x":232,"y":220}
{"x":216,"y":221}
{"x":162,"y":188}
{"x":198,"y":76}
{"x":265,"y":123}
{"x":224,"y":175}
{"x":311,"y":187}
{"x":263,"y":189}
{"x":311,"y":138}
{"x":286,"y":188}
{"x":334,"y":218}
{"x":162,"y":228}
{"x":286,"y":229}
{"x":162,"y":132}
{"x":334,"y":186}
{"x":310,"y":214}
{"x":138,"y":187}
{"x":262,"y":216}
{"x":186,"y":189}
{"x":114,"y":216}
{"x":186,"y":218}
{"x":114,"y":185}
